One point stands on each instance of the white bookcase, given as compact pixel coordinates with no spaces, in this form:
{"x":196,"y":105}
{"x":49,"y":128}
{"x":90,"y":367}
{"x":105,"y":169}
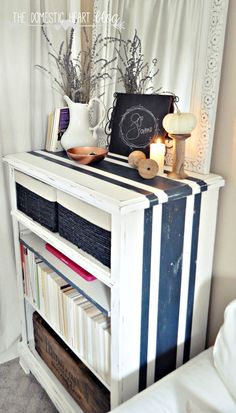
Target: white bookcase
{"x":157,"y":288}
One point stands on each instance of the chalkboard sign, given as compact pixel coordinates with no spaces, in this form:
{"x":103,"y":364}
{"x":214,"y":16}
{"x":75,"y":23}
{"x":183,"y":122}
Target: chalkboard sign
{"x":136,"y":119}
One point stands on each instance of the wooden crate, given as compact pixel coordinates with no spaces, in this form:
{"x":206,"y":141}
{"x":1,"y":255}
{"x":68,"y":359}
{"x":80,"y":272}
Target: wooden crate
{"x":78,"y":380}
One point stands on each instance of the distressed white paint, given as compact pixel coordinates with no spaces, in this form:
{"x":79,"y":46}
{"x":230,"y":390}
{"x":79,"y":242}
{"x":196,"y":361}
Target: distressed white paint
{"x":204,"y":270}
{"x":34,"y":185}
{"x":94,"y":215}
{"x":154,"y":291}
{"x":126,"y":310}
{"x":17,"y":254}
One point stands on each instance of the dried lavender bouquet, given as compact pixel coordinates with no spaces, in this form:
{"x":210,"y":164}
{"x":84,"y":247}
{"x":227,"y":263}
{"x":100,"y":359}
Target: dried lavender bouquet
{"x":79,"y":76}
{"x":135,"y":74}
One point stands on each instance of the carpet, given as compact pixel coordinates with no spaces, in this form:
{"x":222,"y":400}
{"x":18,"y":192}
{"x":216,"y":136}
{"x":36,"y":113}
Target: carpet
{"x":21,"y":393}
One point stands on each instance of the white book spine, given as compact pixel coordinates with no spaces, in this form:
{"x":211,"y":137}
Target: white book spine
{"x":82,"y":331}
{"x":37,"y":262}
{"x":30,"y":276}
{"x":101,"y":345}
{"x":90,"y":343}
{"x":76,"y":338}
{"x":107,"y":353}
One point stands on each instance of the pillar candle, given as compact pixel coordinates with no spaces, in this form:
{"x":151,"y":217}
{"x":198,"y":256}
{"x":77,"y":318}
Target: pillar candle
{"x":157,"y":153}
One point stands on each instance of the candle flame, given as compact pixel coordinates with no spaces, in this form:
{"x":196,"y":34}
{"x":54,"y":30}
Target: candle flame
{"x":157,"y":139}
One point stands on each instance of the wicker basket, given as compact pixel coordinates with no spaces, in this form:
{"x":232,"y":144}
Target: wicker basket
{"x":37,"y":200}
{"x":85,"y":226}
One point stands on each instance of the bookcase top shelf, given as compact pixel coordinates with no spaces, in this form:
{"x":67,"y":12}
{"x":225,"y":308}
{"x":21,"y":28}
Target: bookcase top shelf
{"x":111,"y":184}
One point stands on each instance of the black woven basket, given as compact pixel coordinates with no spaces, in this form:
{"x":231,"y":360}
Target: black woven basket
{"x":38,"y":208}
{"x":91,"y":238}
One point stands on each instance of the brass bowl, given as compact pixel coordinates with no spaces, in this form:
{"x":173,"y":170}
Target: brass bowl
{"x":87,"y":154}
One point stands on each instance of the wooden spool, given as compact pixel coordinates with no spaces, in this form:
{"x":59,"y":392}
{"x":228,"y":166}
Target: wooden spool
{"x":148,"y":168}
{"x":135,"y":157}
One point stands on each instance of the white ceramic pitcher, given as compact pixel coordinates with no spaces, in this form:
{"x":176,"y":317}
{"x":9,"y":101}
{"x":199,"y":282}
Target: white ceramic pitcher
{"x":79,"y":133}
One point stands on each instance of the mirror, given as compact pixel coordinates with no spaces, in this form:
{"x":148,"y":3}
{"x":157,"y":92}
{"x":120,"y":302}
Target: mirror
{"x":187,"y":38}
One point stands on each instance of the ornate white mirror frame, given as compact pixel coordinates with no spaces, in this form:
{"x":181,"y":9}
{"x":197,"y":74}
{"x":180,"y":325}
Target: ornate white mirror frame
{"x":205,"y":79}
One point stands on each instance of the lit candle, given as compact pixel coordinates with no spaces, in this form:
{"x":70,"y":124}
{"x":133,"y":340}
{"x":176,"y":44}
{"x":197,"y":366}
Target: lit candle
{"x":157,"y":153}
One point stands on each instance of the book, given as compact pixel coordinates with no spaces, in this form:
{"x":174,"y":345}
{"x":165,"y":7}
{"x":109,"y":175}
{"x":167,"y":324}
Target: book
{"x":23,"y":265}
{"x":96,"y":356}
{"x":72,"y":297}
{"x":75,"y":267}
{"x":55,"y":284}
{"x":104,"y":342}
{"x":82,"y":326}
{"x":32,"y":276}
{"x":58,"y":122}
{"x":65,"y":304}
{"x":89,"y":314}
{"x":63,"y":310}
{"x":45,"y":271}
{"x":107,"y":353}
{"x":41,"y":266}
{"x":100,"y":325}
{"x":37,"y":262}
{"x":77,"y":332}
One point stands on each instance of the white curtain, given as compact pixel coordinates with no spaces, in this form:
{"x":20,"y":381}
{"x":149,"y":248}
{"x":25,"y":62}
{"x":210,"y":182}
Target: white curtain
{"x":26,"y":99}
{"x":168,"y":30}
{"x":14,"y":137}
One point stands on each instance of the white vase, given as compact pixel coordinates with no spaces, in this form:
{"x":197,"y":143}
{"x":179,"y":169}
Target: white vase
{"x":79,"y":133}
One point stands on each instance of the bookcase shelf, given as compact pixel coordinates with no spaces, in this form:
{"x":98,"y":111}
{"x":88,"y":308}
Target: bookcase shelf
{"x":67,"y":344}
{"x":86,"y":261}
{"x":161,"y":250}
{"x":95,"y":291}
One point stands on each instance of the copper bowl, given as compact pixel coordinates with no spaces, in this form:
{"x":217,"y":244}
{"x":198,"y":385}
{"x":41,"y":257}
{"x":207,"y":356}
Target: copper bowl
{"x":87,"y":154}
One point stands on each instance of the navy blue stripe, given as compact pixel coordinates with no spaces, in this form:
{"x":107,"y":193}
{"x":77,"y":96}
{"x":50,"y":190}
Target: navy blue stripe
{"x":203,"y":185}
{"x":153,"y":199}
{"x":117,"y":159}
{"x":192,"y":276}
{"x":65,"y":278}
{"x":174,"y":189}
{"x":62,"y":154}
{"x":172,"y":239}
{"x":146,"y":277}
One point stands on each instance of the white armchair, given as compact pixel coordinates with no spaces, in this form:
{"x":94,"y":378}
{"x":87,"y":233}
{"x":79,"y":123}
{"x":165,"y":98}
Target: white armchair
{"x":206,"y":384}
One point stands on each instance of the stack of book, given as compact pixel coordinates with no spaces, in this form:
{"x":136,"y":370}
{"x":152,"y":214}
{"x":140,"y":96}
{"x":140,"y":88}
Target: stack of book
{"x":30,"y":274}
{"x":84,"y":327}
